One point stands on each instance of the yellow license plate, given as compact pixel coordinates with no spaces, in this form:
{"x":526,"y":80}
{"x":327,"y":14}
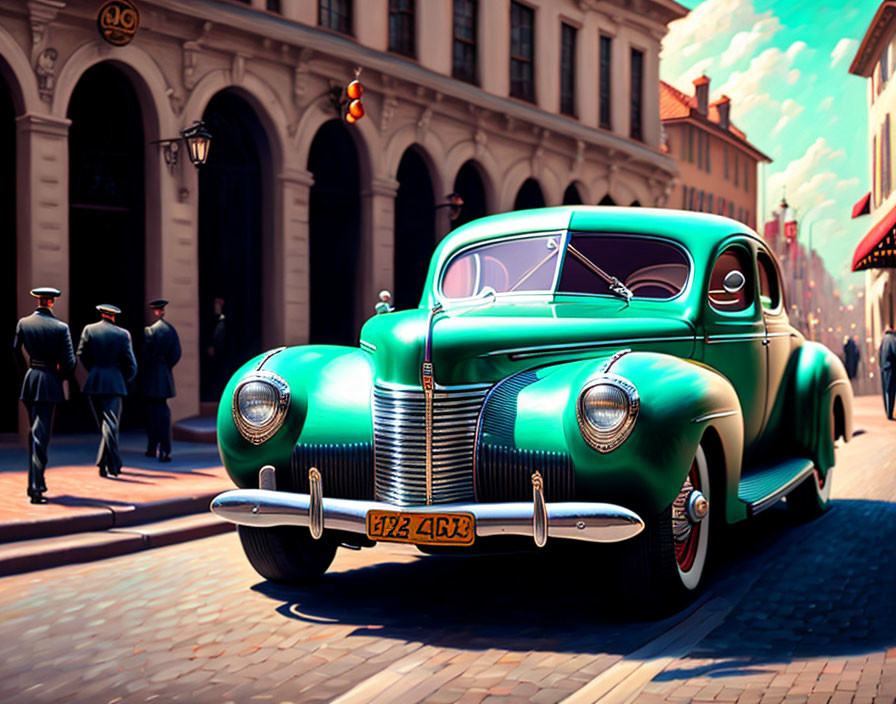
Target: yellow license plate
{"x":422,"y":528}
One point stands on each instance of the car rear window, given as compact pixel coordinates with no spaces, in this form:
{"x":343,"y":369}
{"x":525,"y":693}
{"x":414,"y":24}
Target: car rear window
{"x":648,"y":267}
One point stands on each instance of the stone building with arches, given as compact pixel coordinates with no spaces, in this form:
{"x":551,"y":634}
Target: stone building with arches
{"x":298,"y":219}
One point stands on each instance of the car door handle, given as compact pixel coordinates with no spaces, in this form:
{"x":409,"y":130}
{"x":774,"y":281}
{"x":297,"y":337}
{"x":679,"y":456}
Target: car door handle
{"x":765,"y":341}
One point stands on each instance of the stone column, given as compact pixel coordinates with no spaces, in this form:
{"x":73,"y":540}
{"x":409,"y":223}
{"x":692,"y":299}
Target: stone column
{"x":377,"y":244}
{"x":42,"y":209}
{"x":291,"y":260}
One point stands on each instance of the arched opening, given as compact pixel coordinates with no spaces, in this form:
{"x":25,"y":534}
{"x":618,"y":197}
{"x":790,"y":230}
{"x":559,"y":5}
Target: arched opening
{"x":415,"y":235}
{"x":529,"y":196}
{"x":468,"y":184}
{"x":606,"y":200}
{"x":9,"y":382}
{"x":234,"y":236}
{"x":636,"y":204}
{"x":571,"y":195}
{"x":334,"y":220}
{"x":106,"y":216}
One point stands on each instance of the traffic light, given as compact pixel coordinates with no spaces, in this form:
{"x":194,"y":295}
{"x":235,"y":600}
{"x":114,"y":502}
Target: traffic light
{"x":353,"y":110}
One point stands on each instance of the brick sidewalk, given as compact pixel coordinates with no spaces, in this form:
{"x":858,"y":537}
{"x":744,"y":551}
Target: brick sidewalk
{"x":80,"y":500}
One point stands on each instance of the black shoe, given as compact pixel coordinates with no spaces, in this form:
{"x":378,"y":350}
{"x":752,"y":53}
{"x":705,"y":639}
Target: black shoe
{"x":37,"y":498}
{"x":164,"y":458}
{"x":150,"y":453}
{"x":103,"y":472}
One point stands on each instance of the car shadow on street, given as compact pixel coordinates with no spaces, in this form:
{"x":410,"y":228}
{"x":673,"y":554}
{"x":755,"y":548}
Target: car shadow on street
{"x":825,"y":589}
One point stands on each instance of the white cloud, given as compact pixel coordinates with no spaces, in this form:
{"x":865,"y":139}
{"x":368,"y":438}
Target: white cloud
{"x":827,"y":103}
{"x":848,"y":184}
{"x":745,"y":43}
{"x":789,"y":109}
{"x":714,"y":18}
{"x":746,"y":89}
{"x":844,"y":48}
{"x":808,"y":180}
{"x":793,"y":75}
{"x":685,"y":82}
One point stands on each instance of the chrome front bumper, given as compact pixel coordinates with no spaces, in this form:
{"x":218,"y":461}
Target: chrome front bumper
{"x":593,"y":522}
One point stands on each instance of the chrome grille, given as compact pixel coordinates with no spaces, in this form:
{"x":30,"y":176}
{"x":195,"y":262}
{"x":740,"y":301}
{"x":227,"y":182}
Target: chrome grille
{"x":399,"y":433}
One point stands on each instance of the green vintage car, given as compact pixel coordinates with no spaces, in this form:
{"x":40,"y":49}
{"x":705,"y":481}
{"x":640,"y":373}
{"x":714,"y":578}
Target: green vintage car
{"x":571,"y":374}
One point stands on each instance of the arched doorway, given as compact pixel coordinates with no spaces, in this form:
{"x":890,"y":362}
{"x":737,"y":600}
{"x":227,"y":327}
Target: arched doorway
{"x":9,"y":382}
{"x":334,"y":221}
{"x":415,"y":235}
{"x":234,"y":186}
{"x":529,"y":196}
{"x":106,"y":216}
{"x":607,"y":200}
{"x":571,"y":195}
{"x":636,"y":204}
{"x":468,"y":184}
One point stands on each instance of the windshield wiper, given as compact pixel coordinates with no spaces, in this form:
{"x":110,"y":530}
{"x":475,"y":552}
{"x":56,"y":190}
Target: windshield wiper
{"x":614,"y":284}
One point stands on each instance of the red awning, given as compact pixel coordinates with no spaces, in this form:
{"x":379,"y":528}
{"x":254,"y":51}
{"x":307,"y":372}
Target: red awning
{"x":863,"y":206}
{"x":877,"y":250}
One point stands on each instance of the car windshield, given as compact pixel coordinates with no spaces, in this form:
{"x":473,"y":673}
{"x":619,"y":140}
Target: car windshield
{"x":640,"y":266}
{"x":527,"y":264}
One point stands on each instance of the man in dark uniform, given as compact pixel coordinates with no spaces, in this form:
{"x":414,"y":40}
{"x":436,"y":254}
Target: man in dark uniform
{"x":51,"y":358}
{"x":161,"y":350}
{"x":105,"y":350}
{"x":219,"y":350}
{"x":887,"y":359}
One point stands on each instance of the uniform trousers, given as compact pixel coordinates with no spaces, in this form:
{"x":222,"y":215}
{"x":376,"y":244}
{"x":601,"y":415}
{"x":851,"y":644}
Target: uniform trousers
{"x":41,"y":417}
{"x":888,"y":382}
{"x":158,"y":426}
{"x":107,"y":413}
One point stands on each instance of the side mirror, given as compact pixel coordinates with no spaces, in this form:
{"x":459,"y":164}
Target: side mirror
{"x":734,"y":281}
{"x":384,"y":304}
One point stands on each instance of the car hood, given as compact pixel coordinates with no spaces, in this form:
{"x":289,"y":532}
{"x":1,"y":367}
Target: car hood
{"x":487,"y":343}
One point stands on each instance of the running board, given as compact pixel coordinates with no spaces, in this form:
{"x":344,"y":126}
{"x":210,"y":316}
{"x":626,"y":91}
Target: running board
{"x":764,"y":486}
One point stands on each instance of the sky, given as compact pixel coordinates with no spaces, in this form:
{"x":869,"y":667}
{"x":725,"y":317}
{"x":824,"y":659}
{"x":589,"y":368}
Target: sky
{"x":785,"y":66}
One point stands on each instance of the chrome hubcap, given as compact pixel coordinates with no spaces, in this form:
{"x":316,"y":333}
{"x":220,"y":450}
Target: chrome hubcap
{"x":697,"y":506}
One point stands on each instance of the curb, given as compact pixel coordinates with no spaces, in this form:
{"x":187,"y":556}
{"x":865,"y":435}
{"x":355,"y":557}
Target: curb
{"x":29,"y":555}
{"x":105,"y":517}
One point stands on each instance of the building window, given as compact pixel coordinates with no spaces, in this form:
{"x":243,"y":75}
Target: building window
{"x":746,"y":175}
{"x":273,"y":6}
{"x":884,"y":67}
{"x":740,"y":213}
{"x":606,"y":46}
{"x":736,"y":168}
{"x":636,"y":130}
{"x":684,"y":197}
{"x":401,"y":27}
{"x":726,"y":163}
{"x":567,"y":69}
{"x":721,"y":206}
{"x":874,"y":178}
{"x":731,"y":210}
{"x":522,"y":51}
{"x":335,"y":15}
{"x":747,"y":217}
{"x":885,"y":184}
{"x":706,"y":155}
{"x":709,"y":203}
{"x":692,"y":198}
{"x":690,"y":144}
{"x":463,"y":64}
{"x":699,"y":150}
{"x":700,"y":202}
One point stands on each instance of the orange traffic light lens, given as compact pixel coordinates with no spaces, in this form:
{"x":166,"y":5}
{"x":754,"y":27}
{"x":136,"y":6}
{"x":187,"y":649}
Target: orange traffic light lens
{"x":355,"y":109}
{"x":350,"y":119}
{"x":354,"y":90}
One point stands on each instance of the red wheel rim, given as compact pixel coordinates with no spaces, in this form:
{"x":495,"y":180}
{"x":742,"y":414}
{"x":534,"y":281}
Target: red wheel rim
{"x":686,"y":550}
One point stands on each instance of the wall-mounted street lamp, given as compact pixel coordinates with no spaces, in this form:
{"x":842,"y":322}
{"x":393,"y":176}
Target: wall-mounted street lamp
{"x":198,"y":141}
{"x":454,"y":205}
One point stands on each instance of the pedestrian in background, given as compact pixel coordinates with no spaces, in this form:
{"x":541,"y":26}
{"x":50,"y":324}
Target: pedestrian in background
{"x":887,"y":361}
{"x":106,"y":351}
{"x":220,"y":350}
{"x":161,"y":351}
{"x":51,"y":359}
{"x":851,"y":357}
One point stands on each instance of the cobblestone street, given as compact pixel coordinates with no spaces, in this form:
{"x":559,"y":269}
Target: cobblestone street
{"x":795,"y":613}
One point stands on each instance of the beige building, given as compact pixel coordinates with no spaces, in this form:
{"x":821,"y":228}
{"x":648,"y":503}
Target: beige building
{"x":876,"y":253}
{"x":718,"y":166}
{"x":298,"y":219}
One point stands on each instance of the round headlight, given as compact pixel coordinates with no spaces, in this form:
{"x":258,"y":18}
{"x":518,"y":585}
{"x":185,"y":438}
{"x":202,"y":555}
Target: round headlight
{"x":607,"y":409}
{"x":259,"y":406}
{"x":605,"y":406}
{"x":257,"y":402}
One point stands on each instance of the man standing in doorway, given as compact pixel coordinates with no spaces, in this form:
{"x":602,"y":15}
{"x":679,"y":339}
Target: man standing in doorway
{"x":887,"y":359}
{"x":48,"y":343}
{"x":106,"y":351}
{"x":161,"y":350}
{"x":219,"y":350}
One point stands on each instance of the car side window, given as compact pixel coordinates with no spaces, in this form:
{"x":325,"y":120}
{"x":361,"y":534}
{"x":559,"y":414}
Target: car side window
{"x":731,"y":281}
{"x":769,"y":286}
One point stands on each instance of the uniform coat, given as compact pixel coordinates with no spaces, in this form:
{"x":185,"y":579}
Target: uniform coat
{"x":161,"y":352}
{"x":48,"y":343}
{"x":106,"y":351}
{"x":887,"y":359}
